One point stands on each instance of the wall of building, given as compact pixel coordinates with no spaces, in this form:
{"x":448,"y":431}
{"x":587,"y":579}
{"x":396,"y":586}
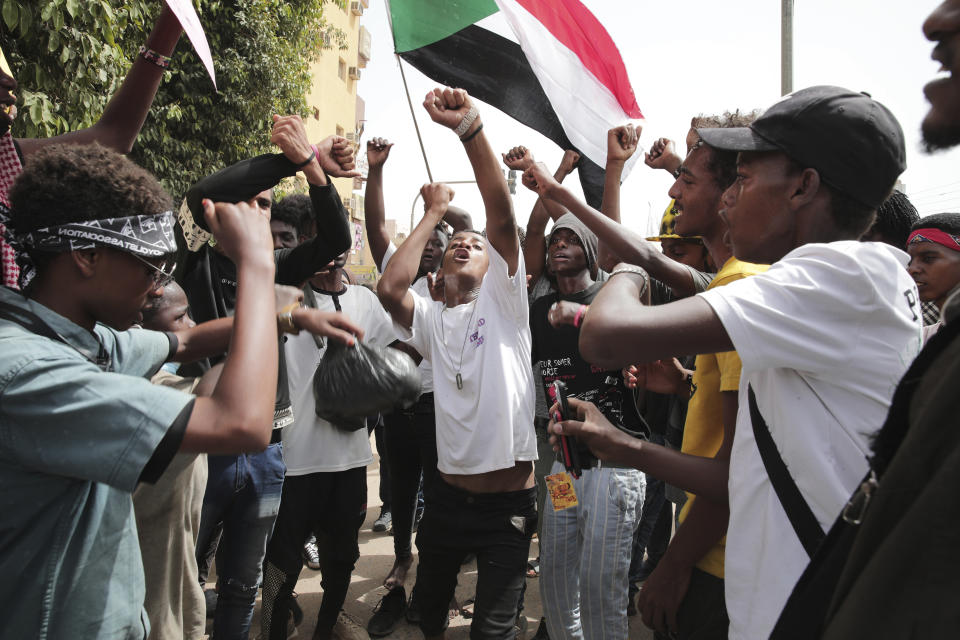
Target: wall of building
{"x":337,"y":109}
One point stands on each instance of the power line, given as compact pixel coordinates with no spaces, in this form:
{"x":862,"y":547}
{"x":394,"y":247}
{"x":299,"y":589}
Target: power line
{"x":933,"y":188}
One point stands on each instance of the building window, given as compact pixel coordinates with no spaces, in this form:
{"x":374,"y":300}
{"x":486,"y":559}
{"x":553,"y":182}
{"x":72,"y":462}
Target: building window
{"x":342,"y":69}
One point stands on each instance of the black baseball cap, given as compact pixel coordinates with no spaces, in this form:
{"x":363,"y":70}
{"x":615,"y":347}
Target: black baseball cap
{"x":854,"y":142}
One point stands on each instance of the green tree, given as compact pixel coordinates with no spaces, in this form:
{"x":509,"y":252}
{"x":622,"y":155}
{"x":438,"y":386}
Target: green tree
{"x":69,"y":56}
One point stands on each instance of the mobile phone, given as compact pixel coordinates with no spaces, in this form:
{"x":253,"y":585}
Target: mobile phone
{"x":568,"y":445}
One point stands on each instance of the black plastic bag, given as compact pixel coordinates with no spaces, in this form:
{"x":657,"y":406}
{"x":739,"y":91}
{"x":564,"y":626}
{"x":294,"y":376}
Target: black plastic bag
{"x":352,"y":383}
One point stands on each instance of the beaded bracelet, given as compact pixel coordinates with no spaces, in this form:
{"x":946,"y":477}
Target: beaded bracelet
{"x":468,"y":119}
{"x":155,"y":58}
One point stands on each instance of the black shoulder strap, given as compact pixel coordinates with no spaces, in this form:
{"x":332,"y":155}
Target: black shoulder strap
{"x":310,"y":298}
{"x":28,"y":321}
{"x":804,"y":523}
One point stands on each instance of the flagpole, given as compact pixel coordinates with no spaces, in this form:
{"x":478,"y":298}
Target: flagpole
{"x":412,"y":115}
{"x":409,"y":101}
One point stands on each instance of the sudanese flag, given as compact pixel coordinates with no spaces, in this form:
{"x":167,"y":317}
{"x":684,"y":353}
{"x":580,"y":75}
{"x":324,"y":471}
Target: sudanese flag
{"x":564,"y":76}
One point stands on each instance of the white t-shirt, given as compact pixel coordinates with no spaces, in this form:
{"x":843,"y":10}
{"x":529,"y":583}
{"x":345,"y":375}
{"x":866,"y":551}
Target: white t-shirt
{"x":310,"y":444}
{"x":487,"y":425}
{"x":824,"y":336}
{"x":421,"y":287}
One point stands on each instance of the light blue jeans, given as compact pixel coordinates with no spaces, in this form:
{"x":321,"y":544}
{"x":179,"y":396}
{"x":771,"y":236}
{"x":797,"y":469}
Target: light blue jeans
{"x":585,"y":555}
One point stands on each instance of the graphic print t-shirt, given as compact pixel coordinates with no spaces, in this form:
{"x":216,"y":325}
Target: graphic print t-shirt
{"x":556,"y":352}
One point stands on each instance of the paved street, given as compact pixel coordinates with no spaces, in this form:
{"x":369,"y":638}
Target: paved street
{"x":376,"y":558}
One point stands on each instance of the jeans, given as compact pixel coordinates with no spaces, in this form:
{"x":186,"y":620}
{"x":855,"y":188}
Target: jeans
{"x":585,"y":555}
{"x":649,"y":537}
{"x":384,"y":465}
{"x":541,"y":468}
{"x":243,"y":493}
{"x":498,"y":528}
{"x":411,"y":439}
{"x":333,"y":506}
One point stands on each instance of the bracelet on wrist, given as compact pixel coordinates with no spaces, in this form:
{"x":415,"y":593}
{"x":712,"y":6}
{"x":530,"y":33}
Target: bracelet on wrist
{"x":580,"y":315}
{"x":467,"y":121}
{"x":472,"y":135}
{"x":154,"y":57}
{"x":313,"y":154}
{"x":285,"y":323}
{"x":634,"y":270}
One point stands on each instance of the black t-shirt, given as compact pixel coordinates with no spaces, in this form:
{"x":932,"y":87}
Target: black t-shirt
{"x":556,"y":352}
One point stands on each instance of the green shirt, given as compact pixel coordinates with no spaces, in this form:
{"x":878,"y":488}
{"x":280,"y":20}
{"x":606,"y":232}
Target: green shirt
{"x":74,"y":441}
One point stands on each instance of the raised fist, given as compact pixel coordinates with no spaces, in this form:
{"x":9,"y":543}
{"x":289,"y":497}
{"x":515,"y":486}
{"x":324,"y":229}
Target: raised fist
{"x":663,"y":155}
{"x":569,"y":162}
{"x":378,"y":150}
{"x":622,"y":142}
{"x":436,"y":195}
{"x":335,"y":154}
{"x":518,"y":158}
{"x":447,"y":106}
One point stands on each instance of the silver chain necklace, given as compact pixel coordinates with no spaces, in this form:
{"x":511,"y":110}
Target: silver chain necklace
{"x":443,"y":334}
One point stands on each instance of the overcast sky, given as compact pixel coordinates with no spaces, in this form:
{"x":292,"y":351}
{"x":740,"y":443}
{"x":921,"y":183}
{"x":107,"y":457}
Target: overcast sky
{"x":683,"y":58}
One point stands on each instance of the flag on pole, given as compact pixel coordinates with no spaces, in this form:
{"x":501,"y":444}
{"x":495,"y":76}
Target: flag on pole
{"x":564,"y":76}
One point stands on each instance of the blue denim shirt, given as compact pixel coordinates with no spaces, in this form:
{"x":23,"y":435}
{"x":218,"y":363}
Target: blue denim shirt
{"x":73,"y":442}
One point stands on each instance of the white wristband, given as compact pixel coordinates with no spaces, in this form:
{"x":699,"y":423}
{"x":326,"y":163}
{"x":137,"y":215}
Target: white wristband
{"x":468,"y":119}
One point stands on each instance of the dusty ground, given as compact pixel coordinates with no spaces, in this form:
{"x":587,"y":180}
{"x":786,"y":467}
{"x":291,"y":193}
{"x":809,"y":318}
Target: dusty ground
{"x":376,"y":559}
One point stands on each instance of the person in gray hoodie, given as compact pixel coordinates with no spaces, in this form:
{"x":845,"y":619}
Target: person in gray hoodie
{"x":589,"y":521}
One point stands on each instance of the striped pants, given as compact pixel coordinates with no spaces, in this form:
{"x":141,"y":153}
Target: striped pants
{"x":585,"y":555}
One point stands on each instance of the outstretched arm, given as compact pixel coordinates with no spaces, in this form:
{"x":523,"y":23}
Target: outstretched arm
{"x":520,"y":158}
{"x":126,"y":112}
{"x":450,"y":107}
{"x":621,"y":144}
{"x":378,"y":150}
{"x":394,"y":286}
{"x":644,"y":333}
{"x":625,"y":243}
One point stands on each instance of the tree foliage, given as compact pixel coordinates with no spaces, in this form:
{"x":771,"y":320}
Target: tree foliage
{"x":69,"y":56}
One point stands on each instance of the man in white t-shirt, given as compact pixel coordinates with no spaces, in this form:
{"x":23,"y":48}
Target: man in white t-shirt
{"x":478,"y":342}
{"x":409,"y":433}
{"x":823,"y":336}
{"x":325,"y":488}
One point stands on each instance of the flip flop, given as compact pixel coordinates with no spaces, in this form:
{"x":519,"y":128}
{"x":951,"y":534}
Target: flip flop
{"x":533,"y":568}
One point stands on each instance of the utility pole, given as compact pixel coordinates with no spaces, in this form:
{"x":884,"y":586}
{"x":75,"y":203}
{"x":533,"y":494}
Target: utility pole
{"x":786,"y":47}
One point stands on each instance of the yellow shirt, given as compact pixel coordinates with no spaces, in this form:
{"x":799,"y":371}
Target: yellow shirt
{"x":703,"y":429}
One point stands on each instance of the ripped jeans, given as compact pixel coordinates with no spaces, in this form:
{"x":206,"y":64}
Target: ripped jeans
{"x":243,"y":492}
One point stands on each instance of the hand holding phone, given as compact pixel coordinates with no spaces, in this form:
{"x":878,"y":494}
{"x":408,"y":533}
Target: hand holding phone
{"x":568,"y":446}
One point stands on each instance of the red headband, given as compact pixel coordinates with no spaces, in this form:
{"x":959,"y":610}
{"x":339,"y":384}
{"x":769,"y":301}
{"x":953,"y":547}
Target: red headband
{"x":939,"y":236}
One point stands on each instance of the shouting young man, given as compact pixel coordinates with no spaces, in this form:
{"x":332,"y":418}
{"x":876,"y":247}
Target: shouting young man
{"x":478,"y":341}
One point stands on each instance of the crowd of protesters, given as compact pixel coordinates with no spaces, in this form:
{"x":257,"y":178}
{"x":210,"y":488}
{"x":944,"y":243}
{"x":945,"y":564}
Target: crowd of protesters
{"x":738,"y":428}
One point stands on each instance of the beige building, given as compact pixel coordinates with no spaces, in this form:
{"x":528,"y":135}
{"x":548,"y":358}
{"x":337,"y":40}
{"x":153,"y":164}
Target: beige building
{"x":337,"y":109}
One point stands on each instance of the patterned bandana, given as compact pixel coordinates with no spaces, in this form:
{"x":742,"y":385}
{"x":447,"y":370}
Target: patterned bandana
{"x":194,"y":235}
{"x":939,"y":236}
{"x":149,"y":236}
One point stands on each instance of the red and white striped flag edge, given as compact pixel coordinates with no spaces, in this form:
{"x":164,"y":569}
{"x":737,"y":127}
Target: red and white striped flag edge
{"x":578,"y":66}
